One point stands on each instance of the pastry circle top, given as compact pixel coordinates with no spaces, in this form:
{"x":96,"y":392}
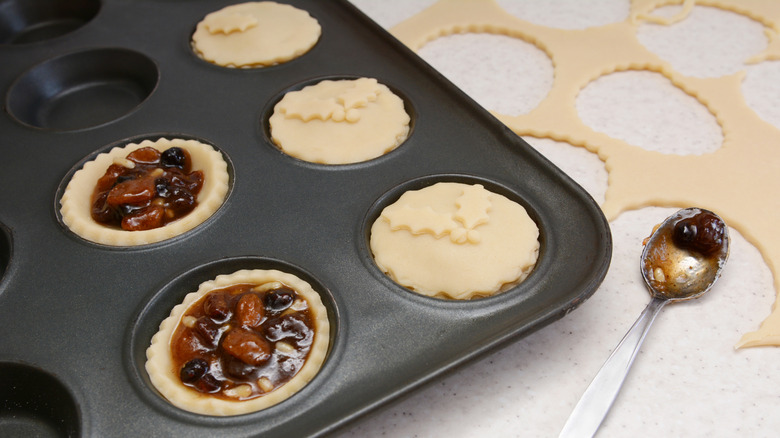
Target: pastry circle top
{"x":255,"y":34}
{"x":165,"y":378}
{"x":455,"y":240}
{"x":339,"y":121}
{"x":76,"y":202}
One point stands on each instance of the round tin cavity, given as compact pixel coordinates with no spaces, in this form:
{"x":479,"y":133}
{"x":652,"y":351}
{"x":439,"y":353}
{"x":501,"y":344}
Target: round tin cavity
{"x":255,"y":35}
{"x":339,"y":120}
{"x":454,"y":237}
{"x":160,"y":306}
{"x":35,"y":403}
{"x":5,"y":249}
{"x":76,"y":198}
{"x":82,"y":89}
{"x":29,"y":21}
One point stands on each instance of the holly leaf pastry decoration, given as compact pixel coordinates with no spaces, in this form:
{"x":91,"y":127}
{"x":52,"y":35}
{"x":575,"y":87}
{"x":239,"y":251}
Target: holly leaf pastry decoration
{"x":342,"y":106}
{"x":472,"y":211}
{"x":229,"y":22}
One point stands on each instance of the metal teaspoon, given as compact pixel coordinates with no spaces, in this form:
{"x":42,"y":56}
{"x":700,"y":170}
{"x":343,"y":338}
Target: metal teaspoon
{"x":682,"y":259}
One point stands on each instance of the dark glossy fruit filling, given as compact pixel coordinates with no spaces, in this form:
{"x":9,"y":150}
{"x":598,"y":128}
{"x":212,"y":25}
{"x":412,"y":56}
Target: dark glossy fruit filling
{"x":157,"y":188}
{"x":242,"y":341}
{"x":702,"y":233}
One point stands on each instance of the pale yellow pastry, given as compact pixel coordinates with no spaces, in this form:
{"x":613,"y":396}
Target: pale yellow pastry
{"x":255,"y":34}
{"x":294,"y":336}
{"x":76,"y":203}
{"x":339,"y":122}
{"x":455,"y":240}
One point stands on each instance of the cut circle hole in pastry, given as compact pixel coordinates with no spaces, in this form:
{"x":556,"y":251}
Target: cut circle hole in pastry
{"x":761,"y":92}
{"x":645,"y":109}
{"x":568,"y":14}
{"x":77,"y":201}
{"x":389,"y":18}
{"x":252,"y":359}
{"x":587,"y":169}
{"x":478,"y":64}
{"x":709,"y":42}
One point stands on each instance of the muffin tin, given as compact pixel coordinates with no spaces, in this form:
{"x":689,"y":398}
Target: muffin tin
{"x":78,"y":317}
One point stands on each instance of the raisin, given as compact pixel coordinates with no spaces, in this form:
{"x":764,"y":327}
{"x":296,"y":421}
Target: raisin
{"x":193,"y":370}
{"x":102,"y":212}
{"x":192,"y":181}
{"x":146,"y":155}
{"x":247,"y":346}
{"x":181,"y":201}
{"x":208,"y":383}
{"x":145,"y":219}
{"x":249,"y":310}
{"x":279,"y":300}
{"x":216,"y":307}
{"x":174,"y":157}
{"x":207,"y":331}
{"x":161,"y":187}
{"x":134,"y":191}
{"x":702,"y":233}
{"x":188,"y":345}
{"x":289,"y":328}
{"x":237,"y":368}
{"x":109,"y":179}
{"x":684,"y":233}
{"x":131,"y":209}
{"x":125,"y":177}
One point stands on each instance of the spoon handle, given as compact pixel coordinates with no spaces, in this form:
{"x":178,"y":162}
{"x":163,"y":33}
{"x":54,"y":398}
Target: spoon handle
{"x":590,"y":411}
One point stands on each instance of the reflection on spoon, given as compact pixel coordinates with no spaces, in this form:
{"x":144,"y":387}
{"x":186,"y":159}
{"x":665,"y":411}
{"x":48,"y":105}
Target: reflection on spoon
{"x":682,"y":259}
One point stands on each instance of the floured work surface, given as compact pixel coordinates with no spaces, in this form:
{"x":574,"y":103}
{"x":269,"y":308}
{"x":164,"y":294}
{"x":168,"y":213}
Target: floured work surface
{"x":81,"y":315}
{"x":640,"y":177}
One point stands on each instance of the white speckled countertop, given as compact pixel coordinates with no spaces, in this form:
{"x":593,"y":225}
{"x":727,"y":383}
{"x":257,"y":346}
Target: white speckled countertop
{"x":688,"y":380}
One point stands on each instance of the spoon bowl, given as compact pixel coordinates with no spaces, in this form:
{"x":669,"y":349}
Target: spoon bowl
{"x":674,"y":271}
{"x":682,"y":259}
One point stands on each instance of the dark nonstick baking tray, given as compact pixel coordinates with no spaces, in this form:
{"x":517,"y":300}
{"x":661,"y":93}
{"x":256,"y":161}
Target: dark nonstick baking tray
{"x":77,"y":317}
